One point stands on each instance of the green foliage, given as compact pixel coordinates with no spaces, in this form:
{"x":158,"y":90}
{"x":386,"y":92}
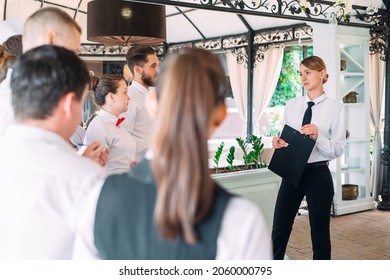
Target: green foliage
{"x":244,"y":147}
{"x":230,"y":158}
{"x":217,"y":156}
{"x":289,"y":84}
{"x":251,"y":155}
{"x":257,"y":146}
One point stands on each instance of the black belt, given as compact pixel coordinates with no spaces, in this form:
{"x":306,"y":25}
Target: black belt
{"x":317,"y":164}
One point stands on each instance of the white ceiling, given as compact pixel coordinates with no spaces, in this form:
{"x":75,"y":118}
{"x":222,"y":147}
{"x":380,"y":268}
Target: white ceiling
{"x":211,"y":24}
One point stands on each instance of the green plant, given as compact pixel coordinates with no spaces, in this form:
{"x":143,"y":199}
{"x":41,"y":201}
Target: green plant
{"x":251,"y":154}
{"x":230,"y":158}
{"x":217,"y":156}
{"x":257,"y":146}
{"x":289,"y":83}
{"x":244,"y":147}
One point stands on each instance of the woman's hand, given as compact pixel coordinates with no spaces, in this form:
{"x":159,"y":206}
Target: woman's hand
{"x":310,"y":130}
{"x":278,"y":143}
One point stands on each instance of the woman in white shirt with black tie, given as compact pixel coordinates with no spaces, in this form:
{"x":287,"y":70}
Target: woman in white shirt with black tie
{"x":110,"y":93}
{"x":325,"y":123}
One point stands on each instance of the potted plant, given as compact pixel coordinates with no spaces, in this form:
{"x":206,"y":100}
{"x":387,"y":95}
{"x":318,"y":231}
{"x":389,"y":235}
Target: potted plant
{"x":250,"y":176}
{"x":251,"y":155}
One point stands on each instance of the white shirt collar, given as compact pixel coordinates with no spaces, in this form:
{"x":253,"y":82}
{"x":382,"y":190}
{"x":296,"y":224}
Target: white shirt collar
{"x":139,"y":87}
{"x":34,"y":133}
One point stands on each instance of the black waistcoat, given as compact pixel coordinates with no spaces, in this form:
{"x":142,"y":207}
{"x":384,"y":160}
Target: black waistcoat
{"x":124,"y":227}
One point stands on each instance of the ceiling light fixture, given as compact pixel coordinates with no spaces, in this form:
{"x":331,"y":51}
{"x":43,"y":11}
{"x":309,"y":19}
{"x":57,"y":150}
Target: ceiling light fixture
{"x":119,"y":22}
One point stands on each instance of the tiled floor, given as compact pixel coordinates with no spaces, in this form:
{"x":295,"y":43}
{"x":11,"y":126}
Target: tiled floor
{"x":358,"y":236}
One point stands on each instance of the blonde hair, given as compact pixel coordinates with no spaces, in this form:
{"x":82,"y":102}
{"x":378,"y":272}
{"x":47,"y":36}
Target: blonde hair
{"x":316,"y":63}
{"x":192,"y":85}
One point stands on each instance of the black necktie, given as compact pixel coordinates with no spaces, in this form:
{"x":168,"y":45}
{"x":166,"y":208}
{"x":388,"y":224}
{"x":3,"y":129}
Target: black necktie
{"x":307,"y":115}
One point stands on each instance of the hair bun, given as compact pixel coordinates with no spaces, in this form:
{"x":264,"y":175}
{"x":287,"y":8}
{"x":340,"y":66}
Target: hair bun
{"x":93,"y":82}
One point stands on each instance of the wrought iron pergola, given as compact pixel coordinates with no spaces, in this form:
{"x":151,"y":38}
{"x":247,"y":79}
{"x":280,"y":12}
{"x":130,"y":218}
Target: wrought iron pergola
{"x":255,"y":42}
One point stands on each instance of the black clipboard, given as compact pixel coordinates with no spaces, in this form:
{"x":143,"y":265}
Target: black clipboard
{"x":290,"y":162}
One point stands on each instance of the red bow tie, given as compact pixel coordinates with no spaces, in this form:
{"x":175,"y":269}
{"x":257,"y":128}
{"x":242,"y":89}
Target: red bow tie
{"x":119,"y":121}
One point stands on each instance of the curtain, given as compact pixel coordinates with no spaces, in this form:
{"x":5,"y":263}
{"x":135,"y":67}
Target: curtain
{"x":377,"y":72}
{"x":239,"y":82}
{"x":265,"y":78}
{"x":265,"y":74}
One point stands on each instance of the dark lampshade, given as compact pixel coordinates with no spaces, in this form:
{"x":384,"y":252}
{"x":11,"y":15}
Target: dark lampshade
{"x":118,"y":22}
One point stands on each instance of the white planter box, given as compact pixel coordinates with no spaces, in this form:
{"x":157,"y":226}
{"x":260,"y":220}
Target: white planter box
{"x":260,"y":186}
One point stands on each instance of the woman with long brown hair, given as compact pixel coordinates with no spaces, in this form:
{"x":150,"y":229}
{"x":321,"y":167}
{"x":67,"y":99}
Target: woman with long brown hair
{"x":168,"y":206}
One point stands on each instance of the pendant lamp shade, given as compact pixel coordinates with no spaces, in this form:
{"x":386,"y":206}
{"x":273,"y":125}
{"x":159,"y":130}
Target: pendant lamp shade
{"x":118,"y":22}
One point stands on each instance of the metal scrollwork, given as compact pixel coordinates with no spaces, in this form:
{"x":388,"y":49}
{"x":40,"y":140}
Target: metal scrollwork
{"x":241,"y":56}
{"x":175,"y":47}
{"x":259,"y":54}
{"x":209,"y":44}
{"x":284,"y":34}
{"x":234,"y":41}
{"x":379,"y":37}
{"x":385,"y":157}
{"x":378,"y":44}
{"x":101,"y":50}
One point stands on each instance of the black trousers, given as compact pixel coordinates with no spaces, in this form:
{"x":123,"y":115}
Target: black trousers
{"x":317,"y":185}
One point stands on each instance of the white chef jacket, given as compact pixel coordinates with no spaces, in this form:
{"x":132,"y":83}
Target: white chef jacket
{"x":138,"y":122}
{"x":122,"y":145}
{"x":42,"y":191}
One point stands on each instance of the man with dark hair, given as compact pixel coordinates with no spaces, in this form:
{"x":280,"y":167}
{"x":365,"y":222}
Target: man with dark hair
{"x":143,"y":64}
{"x":43,"y":181}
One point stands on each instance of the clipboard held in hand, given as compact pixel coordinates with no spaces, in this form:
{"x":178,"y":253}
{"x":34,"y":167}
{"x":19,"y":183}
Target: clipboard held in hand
{"x":290,"y":162}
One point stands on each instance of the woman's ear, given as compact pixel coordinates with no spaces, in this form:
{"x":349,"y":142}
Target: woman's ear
{"x":151,"y":102}
{"x":110,"y":98}
{"x":220,"y":115}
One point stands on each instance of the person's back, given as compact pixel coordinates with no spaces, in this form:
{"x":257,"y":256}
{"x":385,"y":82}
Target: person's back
{"x":168,"y":206}
{"x":43,"y":181}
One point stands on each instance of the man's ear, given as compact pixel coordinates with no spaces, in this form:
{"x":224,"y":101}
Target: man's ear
{"x":137,"y":70}
{"x":67,"y":104}
{"x":151,"y":103}
{"x":220,"y":115}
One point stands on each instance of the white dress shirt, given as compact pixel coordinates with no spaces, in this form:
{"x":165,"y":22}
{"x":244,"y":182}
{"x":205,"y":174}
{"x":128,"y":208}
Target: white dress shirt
{"x":329,"y":117}
{"x":139,"y":124}
{"x":243,"y":234}
{"x":7,"y":115}
{"x":42,"y":191}
{"x":122,"y":145}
